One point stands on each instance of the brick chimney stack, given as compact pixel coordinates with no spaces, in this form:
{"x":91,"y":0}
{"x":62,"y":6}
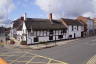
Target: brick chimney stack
{"x":50,"y":17}
{"x":23,"y":18}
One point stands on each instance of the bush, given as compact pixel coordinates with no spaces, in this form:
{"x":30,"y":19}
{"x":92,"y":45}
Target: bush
{"x":43,"y":42}
{"x":1,"y":44}
{"x":23,"y":43}
{"x":12,"y":42}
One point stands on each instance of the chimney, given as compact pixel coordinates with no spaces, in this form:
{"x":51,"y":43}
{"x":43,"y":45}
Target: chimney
{"x":50,"y":17}
{"x":23,"y":18}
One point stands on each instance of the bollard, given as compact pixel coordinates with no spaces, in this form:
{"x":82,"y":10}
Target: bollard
{"x":2,"y":61}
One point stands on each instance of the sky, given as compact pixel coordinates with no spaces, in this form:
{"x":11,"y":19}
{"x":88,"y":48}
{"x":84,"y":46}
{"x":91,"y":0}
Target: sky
{"x":14,"y":9}
{"x":26,"y":6}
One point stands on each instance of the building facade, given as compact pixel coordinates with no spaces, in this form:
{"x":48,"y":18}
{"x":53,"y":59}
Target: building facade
{"x":2,"y":34}
{"x":75,"y":28}
{"x":34,"y":30}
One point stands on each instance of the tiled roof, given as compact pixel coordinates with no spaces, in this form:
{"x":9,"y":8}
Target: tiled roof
{"x":84,"y":19}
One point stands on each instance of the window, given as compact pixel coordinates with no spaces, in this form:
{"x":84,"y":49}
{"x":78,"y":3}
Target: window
{"x":72,"y":28}
{"x":77,"y":27}
{"x":60,"y":36}
{"x":36,"y":33}
{"x":36,"y":39}
{"x":46,"y":33}
{"x":43,"y":32}
{"x":51,"y":31}
{"x":50,"y":37}
{"x":40,"y":33}
{"x":63,"y":31}
{"x":70,"y":36}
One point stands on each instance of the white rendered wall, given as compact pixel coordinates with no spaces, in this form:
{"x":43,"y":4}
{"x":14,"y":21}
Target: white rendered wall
{"x":43,"y":37}
{"x":75,"y":31}
{"x":24,"y":30}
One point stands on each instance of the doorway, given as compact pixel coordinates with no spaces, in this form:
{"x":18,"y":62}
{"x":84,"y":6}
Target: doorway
{"x":74,"y":35}
{"x":82,"y":34}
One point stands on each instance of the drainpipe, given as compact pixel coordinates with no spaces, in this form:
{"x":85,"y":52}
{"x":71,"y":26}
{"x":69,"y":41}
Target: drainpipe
{"x":55,"y":37}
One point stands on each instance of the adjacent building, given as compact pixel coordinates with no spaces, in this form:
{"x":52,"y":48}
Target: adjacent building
{"x":88,"y":25}
{"x":75,"y":28}
{"x":2,"y":34}
{"x":95,"y":24}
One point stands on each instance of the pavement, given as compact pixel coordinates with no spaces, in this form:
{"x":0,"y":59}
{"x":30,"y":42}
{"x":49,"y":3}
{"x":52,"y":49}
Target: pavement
{"x":49,"y":45}
{"x":40,"y":46}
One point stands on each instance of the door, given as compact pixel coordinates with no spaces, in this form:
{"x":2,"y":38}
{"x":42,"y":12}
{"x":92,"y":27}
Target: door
{"x":82,"y":34}
{"x":74,"y":35}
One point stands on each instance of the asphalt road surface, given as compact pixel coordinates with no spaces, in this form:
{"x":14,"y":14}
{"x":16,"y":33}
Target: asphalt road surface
{"x":76,"y":52}
{"x":21,"y":56}
{"x":79,"y":51}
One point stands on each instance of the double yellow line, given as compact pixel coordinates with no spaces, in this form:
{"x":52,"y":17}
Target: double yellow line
{"x":50,"y":59}
{"x":92,"y":60}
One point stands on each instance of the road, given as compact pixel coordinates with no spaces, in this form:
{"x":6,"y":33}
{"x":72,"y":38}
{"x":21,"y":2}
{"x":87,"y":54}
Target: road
{"x":79,"y":51}
{"x":76,"y":52}
{"x":22,"y":56}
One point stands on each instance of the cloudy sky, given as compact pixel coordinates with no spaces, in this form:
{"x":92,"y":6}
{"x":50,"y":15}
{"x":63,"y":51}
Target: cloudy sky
{"x":13,"y":9}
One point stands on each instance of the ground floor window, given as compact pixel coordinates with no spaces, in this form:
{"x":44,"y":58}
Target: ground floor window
{"x":60,"y":36}
{"x":36,"y":39}
{"x":70,"y":36}
{"x":74,"y":35}
{"x":50,"y":37}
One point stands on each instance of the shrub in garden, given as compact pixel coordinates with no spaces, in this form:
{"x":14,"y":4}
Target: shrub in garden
{"x":12,"y":42}
{"x":23,"y":43}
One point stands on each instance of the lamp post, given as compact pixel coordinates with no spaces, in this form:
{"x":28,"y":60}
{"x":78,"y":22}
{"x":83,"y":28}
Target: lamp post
{"x":26,"y":36}
{"x":55,"y":37}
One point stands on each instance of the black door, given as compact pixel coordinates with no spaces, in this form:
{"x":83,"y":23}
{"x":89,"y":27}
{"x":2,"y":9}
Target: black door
{"x":36,"y":39}
{"x":50,"y":37}
{"x":82,"y":34}
{"x":74,"y":35}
